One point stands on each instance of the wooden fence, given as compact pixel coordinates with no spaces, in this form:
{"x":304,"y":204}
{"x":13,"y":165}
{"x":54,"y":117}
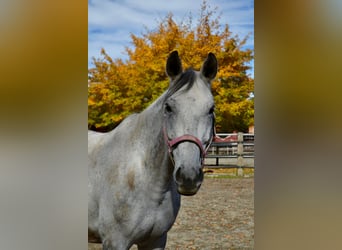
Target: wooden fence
{"x":231,"y":150}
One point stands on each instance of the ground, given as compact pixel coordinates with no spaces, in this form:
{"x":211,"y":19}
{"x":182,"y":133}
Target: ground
{"x":219,"y":216}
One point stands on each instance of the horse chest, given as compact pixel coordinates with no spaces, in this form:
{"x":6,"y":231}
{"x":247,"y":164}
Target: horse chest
{"x":159,"y":217}
{"x":166,"y":215}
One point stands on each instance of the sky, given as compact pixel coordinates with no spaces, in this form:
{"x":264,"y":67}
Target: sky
{"x":110,"y":22}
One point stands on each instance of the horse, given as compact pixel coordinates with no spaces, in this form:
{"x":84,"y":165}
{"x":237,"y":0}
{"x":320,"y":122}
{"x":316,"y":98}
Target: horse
{"x":138,"y":171}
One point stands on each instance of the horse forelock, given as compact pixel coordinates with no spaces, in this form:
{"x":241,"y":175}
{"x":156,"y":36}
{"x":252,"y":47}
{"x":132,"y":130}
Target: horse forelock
{"x":186,"y":78}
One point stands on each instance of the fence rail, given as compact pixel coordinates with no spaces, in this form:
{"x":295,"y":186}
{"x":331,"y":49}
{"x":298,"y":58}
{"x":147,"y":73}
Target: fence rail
{"x":231,"y":150}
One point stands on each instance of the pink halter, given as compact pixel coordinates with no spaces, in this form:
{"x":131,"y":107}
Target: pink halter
{"x":171,"y":144}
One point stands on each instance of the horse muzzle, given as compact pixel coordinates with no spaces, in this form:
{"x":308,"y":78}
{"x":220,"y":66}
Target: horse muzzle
{"x":188,"y":180}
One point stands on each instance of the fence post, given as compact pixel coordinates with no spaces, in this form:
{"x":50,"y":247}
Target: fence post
{"x":240,"y":162}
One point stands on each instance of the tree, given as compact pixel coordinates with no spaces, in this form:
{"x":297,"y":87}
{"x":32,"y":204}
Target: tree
{"x":118,"y":88}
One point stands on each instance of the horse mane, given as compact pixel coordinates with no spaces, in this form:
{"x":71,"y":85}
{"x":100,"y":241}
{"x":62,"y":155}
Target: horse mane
{"x":186,"y":78}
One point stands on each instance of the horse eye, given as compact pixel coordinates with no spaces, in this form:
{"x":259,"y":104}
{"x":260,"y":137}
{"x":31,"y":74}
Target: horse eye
{"x":168,"y":109}
{"x":211,"y":110}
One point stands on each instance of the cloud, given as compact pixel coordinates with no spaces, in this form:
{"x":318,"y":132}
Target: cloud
{"x":111,"y":22}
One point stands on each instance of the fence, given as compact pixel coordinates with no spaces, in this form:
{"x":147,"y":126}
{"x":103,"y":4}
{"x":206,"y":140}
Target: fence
{"x":231,"y":150}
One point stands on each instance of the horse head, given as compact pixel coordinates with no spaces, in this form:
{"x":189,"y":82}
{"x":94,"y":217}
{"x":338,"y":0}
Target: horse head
{"x":189,"y":120}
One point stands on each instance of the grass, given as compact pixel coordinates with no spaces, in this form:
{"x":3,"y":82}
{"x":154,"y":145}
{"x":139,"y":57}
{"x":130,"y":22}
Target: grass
{"x":228,"y":173}
{"x":222,"y":176}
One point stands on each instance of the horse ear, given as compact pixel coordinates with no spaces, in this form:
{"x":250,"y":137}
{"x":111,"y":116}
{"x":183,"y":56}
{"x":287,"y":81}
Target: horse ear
{"x":209,"y":67}
{"x":173,"y":65}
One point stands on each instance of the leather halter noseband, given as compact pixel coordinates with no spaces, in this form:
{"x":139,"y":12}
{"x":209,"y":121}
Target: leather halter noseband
{"x":171,"y":144}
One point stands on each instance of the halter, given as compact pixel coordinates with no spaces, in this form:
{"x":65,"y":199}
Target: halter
{"x":172,"y":144}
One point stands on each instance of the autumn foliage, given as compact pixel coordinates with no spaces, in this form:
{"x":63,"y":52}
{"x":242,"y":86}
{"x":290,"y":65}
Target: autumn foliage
{"x":117,"y":88}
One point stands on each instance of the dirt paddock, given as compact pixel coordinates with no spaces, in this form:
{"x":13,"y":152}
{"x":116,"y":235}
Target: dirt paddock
{"x":219,"y":216}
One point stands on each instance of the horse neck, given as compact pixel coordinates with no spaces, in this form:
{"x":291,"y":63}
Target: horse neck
{"x":156,"y":151}
{"x":151,"y":122}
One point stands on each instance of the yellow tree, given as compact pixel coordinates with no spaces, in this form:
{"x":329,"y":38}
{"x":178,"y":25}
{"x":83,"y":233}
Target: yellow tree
{"x":118,"y":88}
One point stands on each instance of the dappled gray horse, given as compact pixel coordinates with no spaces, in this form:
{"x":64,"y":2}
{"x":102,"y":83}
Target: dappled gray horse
{"x":138,"y":170}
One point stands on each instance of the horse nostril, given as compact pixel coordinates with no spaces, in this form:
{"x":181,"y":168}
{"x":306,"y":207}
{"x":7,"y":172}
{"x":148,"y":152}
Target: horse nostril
{"x":201,"y":175}
{"x":178,"y":174}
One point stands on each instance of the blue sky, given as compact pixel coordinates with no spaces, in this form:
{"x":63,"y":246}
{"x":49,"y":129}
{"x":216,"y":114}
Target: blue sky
{"x":110,"y":22}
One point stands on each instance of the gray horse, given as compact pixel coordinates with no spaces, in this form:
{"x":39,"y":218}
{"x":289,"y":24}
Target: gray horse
{"x":138,"y":171}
